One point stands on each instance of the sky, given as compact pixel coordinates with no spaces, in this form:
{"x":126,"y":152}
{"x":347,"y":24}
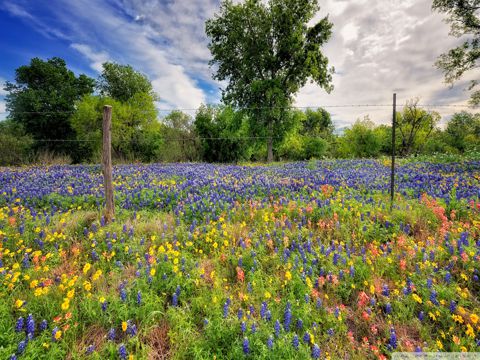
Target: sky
{"x":378,"y":47}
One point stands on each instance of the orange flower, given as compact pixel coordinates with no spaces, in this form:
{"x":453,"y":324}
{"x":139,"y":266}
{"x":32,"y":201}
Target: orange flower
{"x":240,"y":274}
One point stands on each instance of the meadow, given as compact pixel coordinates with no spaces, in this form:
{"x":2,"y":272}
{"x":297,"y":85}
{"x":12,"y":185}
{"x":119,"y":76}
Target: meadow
{"x":290,"y":261}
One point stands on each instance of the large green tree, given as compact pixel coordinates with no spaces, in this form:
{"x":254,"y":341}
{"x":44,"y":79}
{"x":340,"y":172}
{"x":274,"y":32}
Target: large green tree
{"x":266,"y":51}
{"x":41,"y":101}
{"x":122,"y":82}
{"x":463,"y":16}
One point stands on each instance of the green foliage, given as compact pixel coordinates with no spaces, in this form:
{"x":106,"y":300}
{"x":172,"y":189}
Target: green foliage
{"x":15,"y":145}
{"x":135,"y":129}
{"x":42,"y":99}
{"x":414,"y":125}
{"x":465,"y":22}
{"x":122,"y":82}
{"x":360,"y":141}
{"x":222,"y":134}
{"x":180,"y":142}
{"x":267,"y":52}
{"x":463,"y":131}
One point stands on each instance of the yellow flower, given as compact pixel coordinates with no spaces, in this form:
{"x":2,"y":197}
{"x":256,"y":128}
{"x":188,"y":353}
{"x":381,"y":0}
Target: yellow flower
{"x":470,"y":331}
{"x":87,"y":285}
{"x":267,"y":295}
{"x":152,"y":272}
{"x":288,"y":275}
{"x":19,"y":303}
{"x":439,"y":345}
{"x":65,"y":304}
{"x":71,"y":293}
{"x":86,"y":268}
{"x":124,"y":326}
{"x":474,"y":318}
{"x":97,"y":275}
{"x":417,"y":298}
{"x":58,"y":334}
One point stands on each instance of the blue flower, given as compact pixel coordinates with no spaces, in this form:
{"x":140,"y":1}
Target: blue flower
{"x":90,"y":349}
{"x":295,"y":342}
{"x":21,"y":346}
{"x":277,"y":328}
{"x":270,"y":342}
{"x":122,"y":352}
{"x":139,"y":298}
{"x":246,"y":346}
{"x":30,"y":324}
{"x":43,"y":325}
{"x":315,"y":352}
{"x":393,"y":339}
{"x":287,"y":318}
{"x":306,"y":338}
{"x":20,"y":324}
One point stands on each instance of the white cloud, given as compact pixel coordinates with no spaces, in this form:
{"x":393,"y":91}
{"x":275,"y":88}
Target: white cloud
{"x":96,"y":58}
{"x":380,"y":47}
{"x":2,"y":84}
{"x":377,"y":47}
{"x":3,"y":111}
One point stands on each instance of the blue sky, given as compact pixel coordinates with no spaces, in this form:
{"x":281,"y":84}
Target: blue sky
{"x":378,"y":47}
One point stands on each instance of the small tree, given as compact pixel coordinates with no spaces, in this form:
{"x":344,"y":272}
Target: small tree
{"x":415,"y":125}
{"x":180,"y":142}
{"x":360,"y":140}
{"x":267,"y":51}
{"x":463,"y":131}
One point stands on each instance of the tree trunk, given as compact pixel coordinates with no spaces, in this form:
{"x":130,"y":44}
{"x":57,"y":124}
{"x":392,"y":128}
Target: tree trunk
{"x":270,"y":143}
{"x":270,"y":149}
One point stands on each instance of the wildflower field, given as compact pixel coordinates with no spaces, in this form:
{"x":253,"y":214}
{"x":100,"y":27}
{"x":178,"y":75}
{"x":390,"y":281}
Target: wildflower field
{"x":291,"y":261}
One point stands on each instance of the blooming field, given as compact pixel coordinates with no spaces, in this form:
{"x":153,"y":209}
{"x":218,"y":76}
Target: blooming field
{"x":294,"y":261}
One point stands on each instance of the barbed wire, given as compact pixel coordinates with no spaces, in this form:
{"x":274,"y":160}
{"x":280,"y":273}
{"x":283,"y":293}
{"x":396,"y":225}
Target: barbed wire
{"x":277,"y":107}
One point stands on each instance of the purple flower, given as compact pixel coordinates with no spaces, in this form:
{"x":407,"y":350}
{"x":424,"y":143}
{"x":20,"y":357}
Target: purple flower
{"x":393,"y":339}
{"x":139,"y":298}
{"x":453,"y":306}
{"x":175,"y":299}
{"x":43,"y":325}
{"x":295,"y":342}
{"x":104,"y":306}
{"x":30,"y":324}
{"x":277,"y":328}
{"x":287,"y":318}
{"x":421,"y":315}
{"x":122,"y":352}
{"x":243,"y":327}
{"x":270,"y":342}
{"x":385,"y":291}
{"x":90,"y":349}
{"x":225,"y":308}
{"x":306,"y":338}
{"x":123,"y":294}
{"x":21,"y":346}
{"x":315,"y":352}
{"x":20,"y":324}
{"x":111,"y":334}
{"x":388,"y":308}
{"x":246,"y":346}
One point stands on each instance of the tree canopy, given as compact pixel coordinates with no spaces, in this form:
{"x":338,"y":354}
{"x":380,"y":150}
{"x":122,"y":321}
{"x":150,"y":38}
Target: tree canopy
{"x":122,"y":82}
{"x":267,"y":51}
{"x":42,"y":100}
{"x":463,"y":16}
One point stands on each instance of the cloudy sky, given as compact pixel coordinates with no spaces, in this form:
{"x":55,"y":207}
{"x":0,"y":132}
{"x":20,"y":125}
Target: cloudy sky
{"x":378,"y":47}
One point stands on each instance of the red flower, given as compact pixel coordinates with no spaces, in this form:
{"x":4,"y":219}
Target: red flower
{"x":240,"y":274}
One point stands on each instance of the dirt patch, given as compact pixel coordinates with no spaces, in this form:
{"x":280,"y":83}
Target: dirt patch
{"x":158,"y":342}
{"x":94,"y":335}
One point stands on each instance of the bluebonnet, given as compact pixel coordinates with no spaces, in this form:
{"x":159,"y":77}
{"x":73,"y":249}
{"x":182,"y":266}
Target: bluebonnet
{"x":421,"y":315}
{"x":122,"y":352}
{"x":433,"y":297}
{"x":240,"y":314}
{"x":246,"y":346}
{"x":299,"y":324}
{"x":30,"y":324}
{"x":21,"y":346}
{"x":90,"y":349}
{"x":295,"y":341}
{"x":43,"y":325}
{"x":385,"y":291}
{"x":287,"y":319}
{"x":104,"y":306}
{"x":306,"y":337}
{"x":277,"y":328}
{"x":111,"y":334}
{"x":270,"y":342}
{"x":315,"y":352}
{"x":388,"y":308}
{"x":139,"y":298}
{"x":243,"y":326}
{"x":254,"y":328}
{"x":393,"y":339}
{"x":20,"y":324}
{"x":123,"y":294}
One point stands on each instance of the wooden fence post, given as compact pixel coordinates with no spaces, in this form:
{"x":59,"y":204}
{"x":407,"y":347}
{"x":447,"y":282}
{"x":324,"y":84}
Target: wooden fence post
{"x":107,"y":163}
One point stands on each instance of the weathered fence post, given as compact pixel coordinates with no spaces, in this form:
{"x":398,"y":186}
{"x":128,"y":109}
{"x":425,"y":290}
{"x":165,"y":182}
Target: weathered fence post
{"x":107,"y":163}
{"x":392,"y":176}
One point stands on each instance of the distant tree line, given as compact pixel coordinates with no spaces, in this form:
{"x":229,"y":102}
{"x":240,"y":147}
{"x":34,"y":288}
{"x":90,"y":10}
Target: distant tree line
{"x":265,"y":52}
